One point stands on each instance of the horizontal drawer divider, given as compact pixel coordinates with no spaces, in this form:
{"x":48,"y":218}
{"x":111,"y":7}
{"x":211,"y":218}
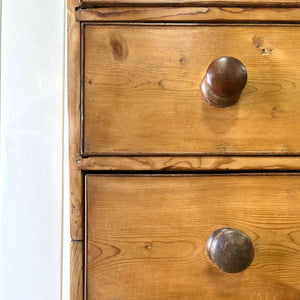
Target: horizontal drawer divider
{"x":189,"y":163}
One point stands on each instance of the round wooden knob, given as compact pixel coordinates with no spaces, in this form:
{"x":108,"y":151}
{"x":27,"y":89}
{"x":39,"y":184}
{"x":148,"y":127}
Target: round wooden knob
{"x":224,"y":81}
{"x":230,"y":250}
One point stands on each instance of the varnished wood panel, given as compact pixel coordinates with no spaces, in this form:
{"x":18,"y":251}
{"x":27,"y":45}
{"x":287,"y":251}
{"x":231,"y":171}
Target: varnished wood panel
{"x":142,"y":93}
{"x":74,"y":109}
{"x":282,"y":3}
{"x":189,"y":163}
{"x":147,"y":236}
{"x":202,"y":14}
{"x":76,"y":270}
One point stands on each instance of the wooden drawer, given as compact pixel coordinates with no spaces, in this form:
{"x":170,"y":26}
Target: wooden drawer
{"x":146,"y":236}
{"x":141,"y":91}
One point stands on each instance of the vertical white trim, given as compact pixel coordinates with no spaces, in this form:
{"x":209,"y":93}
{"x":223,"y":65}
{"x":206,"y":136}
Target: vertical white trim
{"x":66,"y":216}
{"x":1,"y":165}
{"x":65,"y":244}
{"x":32,"y":118}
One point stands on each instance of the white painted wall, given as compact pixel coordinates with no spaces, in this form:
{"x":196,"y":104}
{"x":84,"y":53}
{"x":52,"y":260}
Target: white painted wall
{"x":32,"y":142}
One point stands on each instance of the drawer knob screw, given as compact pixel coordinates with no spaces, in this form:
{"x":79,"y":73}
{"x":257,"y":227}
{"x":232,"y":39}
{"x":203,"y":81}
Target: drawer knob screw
{"x":230,"y":250}
{"x":224,"y":81}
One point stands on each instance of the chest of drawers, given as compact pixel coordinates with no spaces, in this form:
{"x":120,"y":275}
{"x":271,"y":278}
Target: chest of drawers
{"x":172,"y":196}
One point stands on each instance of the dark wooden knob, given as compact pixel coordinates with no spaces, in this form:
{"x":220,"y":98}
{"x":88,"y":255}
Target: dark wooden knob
{"x":230,"y":250}
{"x":224,"y":81}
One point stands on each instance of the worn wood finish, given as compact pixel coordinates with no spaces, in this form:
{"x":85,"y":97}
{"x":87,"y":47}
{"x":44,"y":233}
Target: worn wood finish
{"x":147,"y":236}
{"x":74,"y":109}
{"x":190,"y":14}
{"x":76,"y":270}
{"x":189,"y":163}
{"x":142,"y":90}
{"x":266,"y":3}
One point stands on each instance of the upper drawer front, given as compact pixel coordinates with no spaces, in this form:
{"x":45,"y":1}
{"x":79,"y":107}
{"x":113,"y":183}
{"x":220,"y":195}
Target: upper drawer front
{"x":147,"y":236}
{"x":142,"y":90}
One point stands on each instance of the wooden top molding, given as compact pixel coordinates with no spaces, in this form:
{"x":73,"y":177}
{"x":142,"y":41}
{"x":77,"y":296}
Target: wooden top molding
{"x":189,"y":14}
{"x":258,"y":3}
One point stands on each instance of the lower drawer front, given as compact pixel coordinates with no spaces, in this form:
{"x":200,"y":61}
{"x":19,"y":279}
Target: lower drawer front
{"x":147,"y":236}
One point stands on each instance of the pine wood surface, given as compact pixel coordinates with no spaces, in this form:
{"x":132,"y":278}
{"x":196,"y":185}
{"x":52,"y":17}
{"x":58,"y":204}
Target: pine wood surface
{"x":268,"y":3}
{"x":189,"y":163}
{"x":147,"y":236}
{"x":76,"y":270}
{"x":74,"y":109}
{"x":183,"y":14}
{"x":142,"y":94}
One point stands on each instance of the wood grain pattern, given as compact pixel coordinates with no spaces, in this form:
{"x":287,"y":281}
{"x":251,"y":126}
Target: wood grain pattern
{"x":147,"y":236}
{"x":74,"y":109}
{"x":189,"y":163}
{"x":265,"y":3}
{"x":191,"y":14}
{"x":142,"y":93}
{"x":76,"y":270}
